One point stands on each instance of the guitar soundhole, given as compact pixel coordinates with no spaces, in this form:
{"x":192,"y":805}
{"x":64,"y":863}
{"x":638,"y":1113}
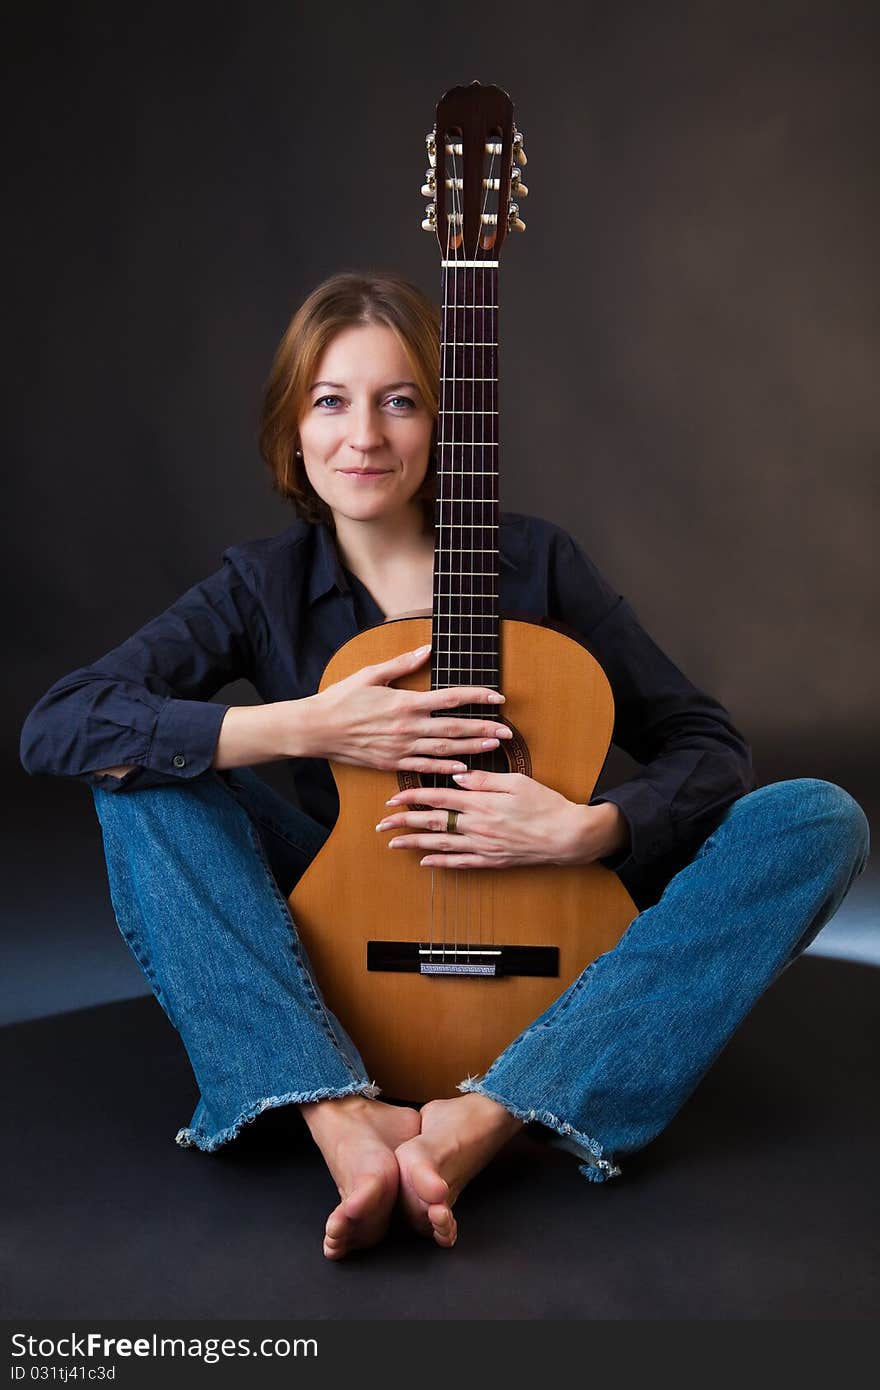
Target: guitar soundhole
{"x":512,"y":755}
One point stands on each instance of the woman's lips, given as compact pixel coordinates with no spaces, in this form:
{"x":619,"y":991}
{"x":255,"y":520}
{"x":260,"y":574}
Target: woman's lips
{"x":365,"y":473}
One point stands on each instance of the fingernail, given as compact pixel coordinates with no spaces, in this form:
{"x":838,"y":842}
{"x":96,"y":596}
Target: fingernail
{"x":459,"y":776}
{"x":420,"y":651}
{"x":489,"y":743}
{"x":497,"y":699}
{"x":503,"y":733}
{"x":460,"y":767}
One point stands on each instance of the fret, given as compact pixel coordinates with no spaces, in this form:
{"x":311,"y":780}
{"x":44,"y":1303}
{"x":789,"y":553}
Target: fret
{"x":467,"y":378}
{"x":446,"y":411}
{"x":471,"y":342}
{"x":469,"y":444}
{"x":472,"y":525}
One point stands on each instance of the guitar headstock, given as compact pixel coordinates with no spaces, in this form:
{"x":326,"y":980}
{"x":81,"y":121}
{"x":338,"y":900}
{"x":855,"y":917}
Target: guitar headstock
{"x":475,"y":155}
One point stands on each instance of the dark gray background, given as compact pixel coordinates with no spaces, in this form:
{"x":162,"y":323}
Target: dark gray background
{"x":689,"y":342}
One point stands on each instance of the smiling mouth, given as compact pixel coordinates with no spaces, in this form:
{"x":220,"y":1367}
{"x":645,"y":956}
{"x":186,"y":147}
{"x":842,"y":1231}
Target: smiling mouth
{"x":365,"y":472}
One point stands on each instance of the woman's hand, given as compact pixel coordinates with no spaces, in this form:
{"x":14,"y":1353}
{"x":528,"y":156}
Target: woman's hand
{"x":505,"y":819}
{"x":361,"y":721}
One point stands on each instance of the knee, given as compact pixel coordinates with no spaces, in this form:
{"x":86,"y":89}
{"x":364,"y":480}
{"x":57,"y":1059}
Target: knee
{"x":148,"y":806}
{"x":832,"y":819}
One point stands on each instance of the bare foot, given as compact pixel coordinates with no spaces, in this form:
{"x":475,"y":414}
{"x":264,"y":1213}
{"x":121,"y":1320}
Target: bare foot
{"x":458,"y":1137}
{"x":358,"y":1137}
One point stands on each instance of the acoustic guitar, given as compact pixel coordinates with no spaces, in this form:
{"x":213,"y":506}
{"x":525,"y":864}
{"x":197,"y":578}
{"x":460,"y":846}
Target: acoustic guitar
{"x":434,"y":971}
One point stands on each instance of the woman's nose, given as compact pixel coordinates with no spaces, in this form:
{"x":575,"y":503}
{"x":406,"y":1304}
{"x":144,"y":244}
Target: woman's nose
{"x":365,"y":428}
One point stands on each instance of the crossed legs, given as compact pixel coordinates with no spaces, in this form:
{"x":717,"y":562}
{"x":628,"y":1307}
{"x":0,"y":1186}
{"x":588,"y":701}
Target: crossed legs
{"x":607,"y":1066}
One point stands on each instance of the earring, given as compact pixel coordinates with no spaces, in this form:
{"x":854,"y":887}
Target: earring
{"x":299,"y":453}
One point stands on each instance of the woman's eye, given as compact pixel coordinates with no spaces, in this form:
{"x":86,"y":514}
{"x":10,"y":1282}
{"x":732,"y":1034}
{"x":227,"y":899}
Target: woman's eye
{"x":402,"y":400}
{"x":322,"y":399}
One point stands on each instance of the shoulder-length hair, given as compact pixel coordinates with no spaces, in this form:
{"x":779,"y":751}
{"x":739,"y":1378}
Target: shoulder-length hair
{"x":344,"y":301}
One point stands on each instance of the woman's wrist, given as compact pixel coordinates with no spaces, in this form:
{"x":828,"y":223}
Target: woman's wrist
{"x":265,"y":733}
{"x":597,"y":832}
{"x":300,"y":728}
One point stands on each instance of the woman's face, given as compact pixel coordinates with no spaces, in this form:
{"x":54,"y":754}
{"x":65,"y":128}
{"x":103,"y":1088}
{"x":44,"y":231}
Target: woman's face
{"x":366,"y":431}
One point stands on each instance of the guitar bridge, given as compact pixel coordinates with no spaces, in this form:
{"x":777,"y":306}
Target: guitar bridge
{"x":462,"y":958}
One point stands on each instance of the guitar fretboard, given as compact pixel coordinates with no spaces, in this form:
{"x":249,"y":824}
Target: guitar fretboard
{"x":466,"y":514}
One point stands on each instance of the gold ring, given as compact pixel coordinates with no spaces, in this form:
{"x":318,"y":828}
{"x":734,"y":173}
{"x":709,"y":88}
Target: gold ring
{"x":451,"y":822}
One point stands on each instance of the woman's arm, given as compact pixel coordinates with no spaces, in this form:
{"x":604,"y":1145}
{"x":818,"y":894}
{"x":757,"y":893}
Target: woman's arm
{"x":142,"y":714}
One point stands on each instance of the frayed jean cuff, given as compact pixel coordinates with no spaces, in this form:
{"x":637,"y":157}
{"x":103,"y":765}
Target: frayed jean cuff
{"x":596,"y":1167}
{"x":197,"y":1138}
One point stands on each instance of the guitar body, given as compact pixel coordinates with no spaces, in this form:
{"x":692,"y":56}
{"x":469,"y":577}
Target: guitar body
{"x":420,"y":1034}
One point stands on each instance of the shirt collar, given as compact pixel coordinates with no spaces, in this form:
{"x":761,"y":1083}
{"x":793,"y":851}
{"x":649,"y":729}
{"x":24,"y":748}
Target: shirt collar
{"x":327,"y":572}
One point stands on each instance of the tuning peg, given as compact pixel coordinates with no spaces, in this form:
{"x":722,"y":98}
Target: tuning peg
{"x":431,"y":148}
{"x":514,"y":222}
{"x":516,"y":187}
{"x":430,"y":222}
{"x":429,"y":187}
{"x":519,"y":153}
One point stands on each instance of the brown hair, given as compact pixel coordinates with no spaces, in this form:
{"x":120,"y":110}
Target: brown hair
{"x":341,"y":302}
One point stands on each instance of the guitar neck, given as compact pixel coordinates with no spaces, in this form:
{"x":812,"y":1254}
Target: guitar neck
{"x":465,"y":605}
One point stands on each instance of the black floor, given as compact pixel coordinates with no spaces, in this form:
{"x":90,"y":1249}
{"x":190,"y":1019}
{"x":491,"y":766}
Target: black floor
{"x":759,"y":1201}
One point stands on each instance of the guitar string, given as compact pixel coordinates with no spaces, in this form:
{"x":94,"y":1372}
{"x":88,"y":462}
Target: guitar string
{"x":455,"y":240}
{"x":438,"y":635}
{"x":430,"y":778}
{"x":477,"y":557}
{"x":458,"y":930}
{"x":495,"y":534}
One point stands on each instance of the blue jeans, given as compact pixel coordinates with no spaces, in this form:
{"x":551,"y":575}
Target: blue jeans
{"x":199,"y":877}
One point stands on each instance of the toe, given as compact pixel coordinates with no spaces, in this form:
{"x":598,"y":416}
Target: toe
{"x":428,"y":1183}
{"x":336,"y":1232}
{"x":445,"y":1226}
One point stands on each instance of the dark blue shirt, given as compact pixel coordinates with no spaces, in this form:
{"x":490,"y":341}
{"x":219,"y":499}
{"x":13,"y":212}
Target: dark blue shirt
{"x":275,"y":613}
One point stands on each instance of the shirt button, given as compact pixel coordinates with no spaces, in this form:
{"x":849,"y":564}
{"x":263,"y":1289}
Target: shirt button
{"x":179,"y":760}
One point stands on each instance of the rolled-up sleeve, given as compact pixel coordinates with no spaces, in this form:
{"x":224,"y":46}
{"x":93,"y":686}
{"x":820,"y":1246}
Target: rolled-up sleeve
{"x":147,"y":703}
{"x":695,"y":762}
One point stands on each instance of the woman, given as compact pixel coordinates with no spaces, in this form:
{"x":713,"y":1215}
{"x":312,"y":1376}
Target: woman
{"x":733,"y":882}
